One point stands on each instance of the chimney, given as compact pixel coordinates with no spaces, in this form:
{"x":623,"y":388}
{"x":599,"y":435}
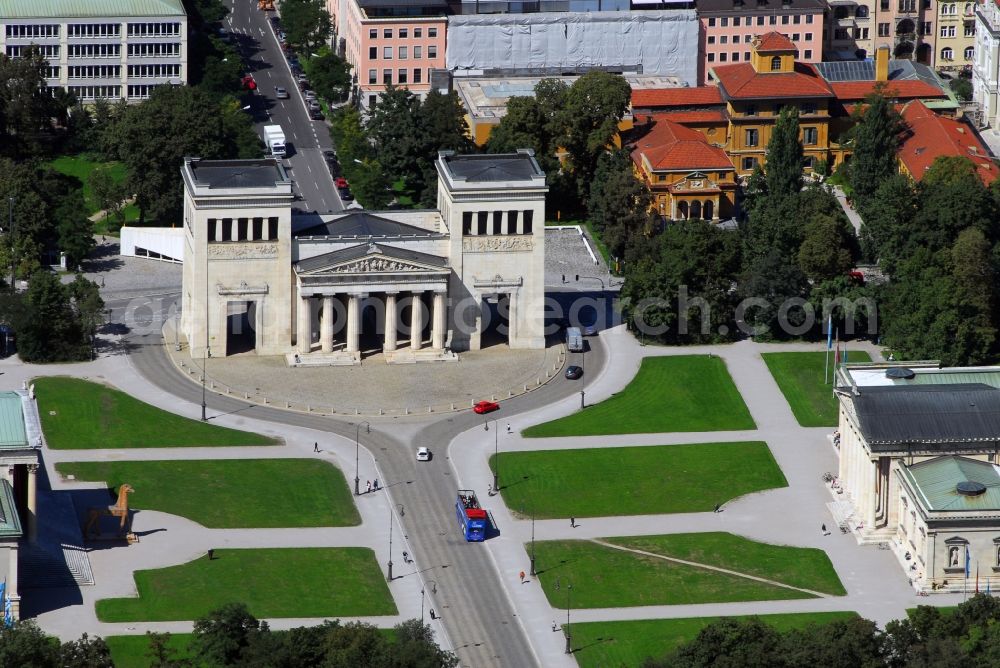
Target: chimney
{"x":882,"y":64}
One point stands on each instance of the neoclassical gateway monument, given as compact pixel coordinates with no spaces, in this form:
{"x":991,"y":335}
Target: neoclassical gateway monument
{"x":323,"y":289}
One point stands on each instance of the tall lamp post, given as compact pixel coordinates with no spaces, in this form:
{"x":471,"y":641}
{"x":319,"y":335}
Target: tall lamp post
{"x":208,"y":350}
{"x":569,"y":636}
{"x":532,"y":540}
{"x":10,"y":231}
{"x":400,"y":505}
{"x":357,"y":436}
{"x":583,"y":353}
{"x":496,"y":452}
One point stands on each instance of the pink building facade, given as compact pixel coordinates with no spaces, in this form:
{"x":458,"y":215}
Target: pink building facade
{"x":727,"y":27}
{"x":382,"y":50}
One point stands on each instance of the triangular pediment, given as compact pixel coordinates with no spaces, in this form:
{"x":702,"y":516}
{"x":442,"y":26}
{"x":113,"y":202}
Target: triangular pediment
{"x":372,"y":259}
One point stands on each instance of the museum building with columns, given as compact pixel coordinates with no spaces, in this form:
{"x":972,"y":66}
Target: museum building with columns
{"x":412,"y":285}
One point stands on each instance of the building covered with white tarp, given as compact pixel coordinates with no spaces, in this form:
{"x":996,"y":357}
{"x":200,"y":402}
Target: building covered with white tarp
{"x":658,"y":42}
{"x":156,"y":243}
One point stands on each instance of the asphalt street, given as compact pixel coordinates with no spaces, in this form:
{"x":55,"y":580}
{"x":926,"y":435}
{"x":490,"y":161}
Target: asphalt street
{"x":473,"y":603}
{"x":306,"y":139}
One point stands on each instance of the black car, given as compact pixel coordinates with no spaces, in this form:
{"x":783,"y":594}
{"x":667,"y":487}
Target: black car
{"x":574,"y":372}
{"x":345,"y":194}
{"x":316,"y":114}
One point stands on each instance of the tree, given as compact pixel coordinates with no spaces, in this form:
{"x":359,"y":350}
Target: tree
{"x":330,"y":76}
{"x":221,"y":636}
{"x":592,"y":109}
{"x":619,"y":203}
{"x":727,"y":643}
{"x":442,"y":118}
{"x":394,"y":130}
{"x":24,"y":644}
{"x":85,"y":653}
{"x":962,"y":88}
{"x":307,"y":23}
{"x":108,"y":194}
{"x":887,"y":222}
{"x":523,"y":126}
{"x":369,"y":184}
{"x":415,"y":647}
{"x":160,"y":653}
{"x":783,"y":171}
{"x":76,"y":234}
{"x":876,"y":139}
{"x":25,"y":104}
{"x":825,"y":252}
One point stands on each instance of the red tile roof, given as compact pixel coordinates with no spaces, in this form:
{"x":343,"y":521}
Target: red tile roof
{"x":695,"y":116}
{"x":774,"y":41}
{"x":676,"y":97}
{"x":743,"y":82}
{"x":904,"y":89}
{"x":929,"y":136}
{"x":669,"y":146}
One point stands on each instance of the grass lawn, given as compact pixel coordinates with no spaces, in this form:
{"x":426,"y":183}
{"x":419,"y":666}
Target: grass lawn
{"x":800,"y":377}
{"x":602,"y":644}
{"x":598,"y":482}
{"x":80,"y":166}
{"x":130,"y":651}
{"x":603,"y":577}
{"x":77,"y":415}
{"x":272,"y":582}
{"x":804,"y":567}
{"x":675,"y":393}
{"x":237,"y":493}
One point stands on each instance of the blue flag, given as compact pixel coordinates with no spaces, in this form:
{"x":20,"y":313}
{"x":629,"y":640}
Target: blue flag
{"x":8,"y":612}
{"x":829,"y":332}
{"x":967,"y":560}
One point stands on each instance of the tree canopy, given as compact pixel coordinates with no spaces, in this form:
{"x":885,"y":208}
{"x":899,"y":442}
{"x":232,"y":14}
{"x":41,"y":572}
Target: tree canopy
{"x":307,"y":23}
{"x":783,"y":171}
{"x":875,"y":140}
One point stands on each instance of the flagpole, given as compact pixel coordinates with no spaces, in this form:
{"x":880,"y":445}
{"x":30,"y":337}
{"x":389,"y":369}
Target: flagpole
{"x":826,"y":357}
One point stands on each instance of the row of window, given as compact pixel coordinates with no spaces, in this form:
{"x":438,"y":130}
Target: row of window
{"x":48,"y":50}
{"x":810,"y":137}
{"x":771,"y":20}
{"x":907,"y":5}
{"x":750,"y":162}
{"x":482,"y":222}
{"x":92,"y":92}
{"x":94,"y":29}
{"x":969,"y":30}
{"x":402,"y":74}
{"x":807,"y":54}
{"x":843,"y":34}
{"x":402,"y":33}
{"x":242,"y":229}
{"x":140,"y":91}
{"x":95,"y":50}
{"x":95,"y":71}
{"x":948,"y":53}
{"x":906,"y":28}
{"x":147,"y":50}
{"x":100,"y":50}
{"x":21,"y":31}
{"x":805,"y":109}
{"x":154,"y":29}
{"x":160,"y":71}
{"x":402,"y":52}
{"x":951,"y":9}
{"x":723,"y":39}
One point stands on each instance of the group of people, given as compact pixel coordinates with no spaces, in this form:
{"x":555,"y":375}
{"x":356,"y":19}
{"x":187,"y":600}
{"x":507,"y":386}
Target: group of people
{"x":371,"y":486}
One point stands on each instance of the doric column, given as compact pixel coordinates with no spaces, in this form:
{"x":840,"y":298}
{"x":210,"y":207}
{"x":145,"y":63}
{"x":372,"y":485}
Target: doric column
{"x":326,"y":325}
{"x":32,"y":502}
{"x":304,"y":326}
{"x":438,"y":319}
{"x":353,"y":323}
{"x":390,"y":322}
{"x":416,"y":324}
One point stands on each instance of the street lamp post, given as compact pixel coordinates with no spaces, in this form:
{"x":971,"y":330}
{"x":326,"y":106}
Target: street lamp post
{"x":10,"y":231}
{"x":421,"y":606}
{"x":583,"y":381}
{"x":496,"y":453}
{"x":390,"y":539}
{"x":208,"y":350}
{"x":532,"y":543}
{"x":357,"y":436}
{"x":569,"y":636}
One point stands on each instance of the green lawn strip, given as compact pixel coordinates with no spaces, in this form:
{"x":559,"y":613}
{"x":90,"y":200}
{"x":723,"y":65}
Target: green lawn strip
{"x":232,"y":493}
{"x":80,"y":167}
{"x":669,"y":394}
{"x":943,"y":609}
{"x":131,"y":651}
{"x":78,"y":414}
{"x":604,"y":577}
{"x":272,"y":582}
{"x":600,"y":482}
{"x":629,"y":643}
{"x":800,"y":376}
{"x":805,"y":567}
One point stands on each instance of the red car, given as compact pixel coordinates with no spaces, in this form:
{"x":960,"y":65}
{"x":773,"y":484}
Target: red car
{"x":248,"y":82}
{"x":486,"y":407}
{"x":341,"y":182}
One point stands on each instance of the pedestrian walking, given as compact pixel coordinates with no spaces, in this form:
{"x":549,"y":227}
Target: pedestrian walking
{"x":508,"y":427}
{"x":572,"y":523}
{"x":316,"y":446}
{"x":554,"y":627}
{"x":823,"y":527}
{"x":717,"y":506}
{"x":522,"y":577}
{"x":375,"y":485}
{"x":406,"y":557}
{"x":369,"y":486}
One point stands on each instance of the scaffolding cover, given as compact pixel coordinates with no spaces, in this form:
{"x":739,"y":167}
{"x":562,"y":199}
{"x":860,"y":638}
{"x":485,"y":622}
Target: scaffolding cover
{"x":663,"y":43}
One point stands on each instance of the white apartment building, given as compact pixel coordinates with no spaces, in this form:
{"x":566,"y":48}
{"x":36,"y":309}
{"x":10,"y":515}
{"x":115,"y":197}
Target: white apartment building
{"x":95,"y":49}
{"x":986,"y":66}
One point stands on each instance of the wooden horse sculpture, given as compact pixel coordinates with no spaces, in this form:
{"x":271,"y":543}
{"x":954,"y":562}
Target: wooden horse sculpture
{"x":119,"y":510}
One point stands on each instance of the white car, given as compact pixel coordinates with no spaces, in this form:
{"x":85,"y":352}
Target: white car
{"x":423,"y":455}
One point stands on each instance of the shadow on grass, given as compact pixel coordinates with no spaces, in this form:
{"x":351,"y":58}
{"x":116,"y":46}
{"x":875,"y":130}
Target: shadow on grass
{"x":562,"y":564}
{"x":597,"y":641}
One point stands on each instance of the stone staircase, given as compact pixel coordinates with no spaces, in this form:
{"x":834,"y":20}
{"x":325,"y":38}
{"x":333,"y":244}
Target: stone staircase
{"x":48,"y":566}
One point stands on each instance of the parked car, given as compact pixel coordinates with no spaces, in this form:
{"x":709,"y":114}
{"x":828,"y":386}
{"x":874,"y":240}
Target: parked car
{"x":309,"y":95}
{"x":486,"y":407}
{"x":248,"y":82}
{"x":346,"y":194}
{"x":423,"y":455}
{"x":574,"y":372}
{"x":316,"y":114}
{"x":341,"y":183}
{"x":280,"y":93}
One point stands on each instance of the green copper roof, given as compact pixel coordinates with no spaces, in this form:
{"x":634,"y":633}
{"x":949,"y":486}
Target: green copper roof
{"x":12,"y":433}
{"x":10,"y":523}
{"x":936,"y":480}
{"x":956,"y":377}
{"x":77,"y":9}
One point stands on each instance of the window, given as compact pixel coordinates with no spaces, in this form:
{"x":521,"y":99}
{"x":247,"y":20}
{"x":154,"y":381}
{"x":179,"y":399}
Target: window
{"x":736,"y":21}
{"x":885,"y":5}
{"x":773,"y":20}
{"x":747,"y":39}
{"x":387,"y":77}
{"x":736,"y":56}
{"x":969,"y":29}
{"x":467,"y":222}
{"x":807,"y":162}
{"x":760,"y":20}
{"x":883,"y":29}
{"x":784,"y":20}
{"x":258,"y":229}
{"x":947,"y":31}
{"x":418,"y":32}
{"x":373,"y":33}
{"x":417,"y":75}
{"x":970,"y":52}
{"x":797,"y":19}
{"x":373,"y":52}
{"x":432,"y":32}
{"x":227,"y":229}
{"x":776,"y":64}
{"x":749,"y":163}
{"x":512,"y":222}
{"x":925,"y":28}
{"x":528,"y":219}
{"x":711,"y":39}
{"x":810,"y":136}
{"x":907,"y":5}
{"x":948,"y":9}
{"x":795,"y":37}
{"x":947,"y":53}
{"x":746,"y":55}
{"x":404,"y":33}
{"x":724,"y":22}
{"x":401,"y":76}
{"x":210,"y":226}
{"x":158,"y":71}
{"x":372,"y":99}
{"x":808,"y":54}
{"x":387,"y":52}
{"x":95,"y":72}
{"x":711,"y":57}
{"x":711,"y":23}
{"x":482,"y":218}
{"x":864,"y":33}
{"x":387,"y":33}
{"x":862,"y":12}
{"x":752,"y":137}
{"x":272,"y":228}
{"x":402,"y":52}
{"x":241,"y":229}
{"x":809,"y":18}
{"x":28,"y":31}
{"x":723,"y":39}
{"x":497,"y":222}
{"x":372,"y":76}
{"x":809,"y":108}
{"x":723,"y":57}
{"x":750,"y":110}
{"x":142,"y":50}
{"x":90,"y":30}
{"x":417,"y":52}
{"x":432,"y":51}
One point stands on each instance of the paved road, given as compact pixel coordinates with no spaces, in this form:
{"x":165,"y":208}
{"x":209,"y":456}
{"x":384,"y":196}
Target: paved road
{"x":479,"y":617}
{"x":308,"y":138}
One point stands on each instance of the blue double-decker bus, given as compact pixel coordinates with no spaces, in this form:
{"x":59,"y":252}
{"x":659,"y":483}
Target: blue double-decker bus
{"x":471,"y":517}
